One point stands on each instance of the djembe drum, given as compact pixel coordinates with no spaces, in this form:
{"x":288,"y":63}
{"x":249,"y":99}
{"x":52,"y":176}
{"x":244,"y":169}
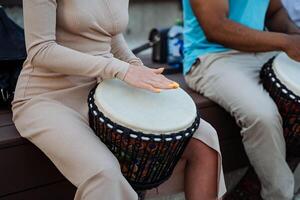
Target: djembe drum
{"x":146,"y":131}
{"x":281,"y":77}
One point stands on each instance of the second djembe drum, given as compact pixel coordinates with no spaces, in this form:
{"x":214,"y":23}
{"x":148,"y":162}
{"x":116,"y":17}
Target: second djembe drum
{"x":281,"y":77}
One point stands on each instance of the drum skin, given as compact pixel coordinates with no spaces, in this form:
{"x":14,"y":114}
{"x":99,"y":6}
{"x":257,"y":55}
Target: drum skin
{"x":146,"y":160}
{"x":288,"y":104}
{"x":155,"y":113}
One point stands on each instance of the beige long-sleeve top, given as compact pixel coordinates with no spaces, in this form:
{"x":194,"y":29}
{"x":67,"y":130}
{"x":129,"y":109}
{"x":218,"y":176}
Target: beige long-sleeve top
{"x":66,"y":38}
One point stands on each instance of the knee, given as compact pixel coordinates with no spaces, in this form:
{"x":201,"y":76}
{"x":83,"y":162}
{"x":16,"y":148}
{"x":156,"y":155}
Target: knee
{"x":265,"y":115}
{"x":107,"y":183}
{"x":111,"y":171}
{"x":263,"y":127}
{"x":197,"y":151}
{"x":266,"y":120}
{"x":21,"y":125}
{"x":107,"y":175}
{"x":111,"y":175}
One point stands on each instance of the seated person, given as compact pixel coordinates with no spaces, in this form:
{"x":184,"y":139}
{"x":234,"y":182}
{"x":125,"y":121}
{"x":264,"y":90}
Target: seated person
{"x":225,"y":48}
{"x":293,"y":8}
{"x":70,"y":46}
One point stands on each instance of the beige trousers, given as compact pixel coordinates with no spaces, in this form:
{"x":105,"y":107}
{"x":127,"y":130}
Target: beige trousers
{"x":57,"y":123}
{"x":232,"y":80}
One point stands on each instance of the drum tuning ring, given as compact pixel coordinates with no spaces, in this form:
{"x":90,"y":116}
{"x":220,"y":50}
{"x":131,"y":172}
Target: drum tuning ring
{"x":95,"y":113}
{"x":110,"y":126}
{"x":284,"y":91}
{"x":145,"y":138}
{"x":278,"y":85}
{"x":178,"y":137}
{"x":120,"y":131}
{"x":292,"y":96}
{"x":133,"y":136}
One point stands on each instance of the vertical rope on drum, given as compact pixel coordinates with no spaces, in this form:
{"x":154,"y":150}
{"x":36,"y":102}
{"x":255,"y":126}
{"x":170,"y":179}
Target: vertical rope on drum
{"x":164,"y":161}
{"x":144,"y":166}
{"x":142,"y":160}
{"x":134,"y":154}
{"x":155,"y":161}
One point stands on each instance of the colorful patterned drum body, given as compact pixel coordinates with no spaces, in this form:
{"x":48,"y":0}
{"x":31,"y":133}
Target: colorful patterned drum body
{"x":281,"y":77}
{"x":146,"y":131}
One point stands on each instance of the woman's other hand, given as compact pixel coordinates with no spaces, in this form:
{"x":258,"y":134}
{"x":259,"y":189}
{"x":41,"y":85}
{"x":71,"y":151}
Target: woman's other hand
{"x":149,"y":79}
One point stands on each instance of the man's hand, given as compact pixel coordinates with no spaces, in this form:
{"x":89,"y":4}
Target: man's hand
{"x":149,"y":79}
{"x":292,"y":48}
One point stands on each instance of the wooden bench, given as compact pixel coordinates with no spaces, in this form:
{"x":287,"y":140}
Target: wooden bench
{"x":26,"y":173}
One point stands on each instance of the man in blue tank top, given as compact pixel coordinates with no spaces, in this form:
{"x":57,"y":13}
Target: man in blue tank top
{"x":225,"y":47}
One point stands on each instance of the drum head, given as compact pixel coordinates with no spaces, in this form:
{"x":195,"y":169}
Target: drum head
{"x":170,"y":111}
{"x":288,"y":72}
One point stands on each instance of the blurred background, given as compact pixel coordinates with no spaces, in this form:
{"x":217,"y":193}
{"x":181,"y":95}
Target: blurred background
{"x":144,"y":15}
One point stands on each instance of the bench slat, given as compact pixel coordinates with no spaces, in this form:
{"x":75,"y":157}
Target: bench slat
{"x":6,"y":119}
{"x":63,"y":190}
{"x":24,"y":167}
{"x":9,"y":136}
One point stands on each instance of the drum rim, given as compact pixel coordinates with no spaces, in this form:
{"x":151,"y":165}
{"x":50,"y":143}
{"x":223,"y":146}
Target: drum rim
{"x":268,"y":72}
{"x":188,"y":132}
{"x":179,"y":109}
{"x":282,"y":72}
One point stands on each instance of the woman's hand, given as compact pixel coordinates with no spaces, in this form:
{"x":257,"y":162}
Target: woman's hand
{"x":149,"y":79}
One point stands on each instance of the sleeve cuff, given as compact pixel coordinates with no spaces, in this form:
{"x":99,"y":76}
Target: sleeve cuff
{"x":120,"y":68}
{"x":136,"y":61}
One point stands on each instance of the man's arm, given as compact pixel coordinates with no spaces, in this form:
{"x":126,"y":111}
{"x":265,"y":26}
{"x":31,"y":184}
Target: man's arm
{"x":213,"y":17}
{"x":278,"y":20}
